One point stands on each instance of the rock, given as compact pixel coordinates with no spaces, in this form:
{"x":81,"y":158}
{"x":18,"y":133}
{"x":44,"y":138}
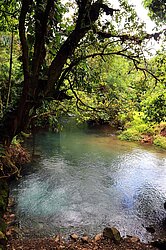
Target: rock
{"x":164,"y":223}
{"x":74,"y":237}
{"x":11,"y":202}
{"x":147,"y":139}
{"x":163,"y":132}
{"x":85,"y":239}
{"x":150,"y":229}
{"x":160,"y":244}
{"x":12,"y":231}
{"x":8,"y":233}
{"x":61,"y":247}
{"x":116,"y":233}
{"x":98,"y":237}
{"x":165,"y":205}
{"x":132,"y":239}
{"x":112,"y":233}
{"x":107,"y":233}
{"x":12,"y":223}
{"x":12,"y":216}
{"x":57,"y":238}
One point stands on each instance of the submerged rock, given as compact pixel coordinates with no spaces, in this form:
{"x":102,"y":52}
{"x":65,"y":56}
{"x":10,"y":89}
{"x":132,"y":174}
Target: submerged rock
{"x":150,"y":229}
{"x":165,"y":205}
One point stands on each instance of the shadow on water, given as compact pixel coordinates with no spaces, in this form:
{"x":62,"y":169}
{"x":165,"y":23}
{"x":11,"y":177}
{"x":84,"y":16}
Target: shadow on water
{"x":83,"y":181}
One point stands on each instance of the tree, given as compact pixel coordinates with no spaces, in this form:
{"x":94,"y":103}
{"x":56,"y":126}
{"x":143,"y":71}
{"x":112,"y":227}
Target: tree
{"x":154,"y":105}
{"x":157,"y":10}
{"x":52,"y":45}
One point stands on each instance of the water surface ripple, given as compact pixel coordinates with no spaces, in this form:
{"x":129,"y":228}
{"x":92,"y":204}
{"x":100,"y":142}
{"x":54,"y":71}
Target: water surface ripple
{"x":83,"y":182}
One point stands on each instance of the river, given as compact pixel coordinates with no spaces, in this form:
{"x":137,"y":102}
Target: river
{"x":82,"y":181}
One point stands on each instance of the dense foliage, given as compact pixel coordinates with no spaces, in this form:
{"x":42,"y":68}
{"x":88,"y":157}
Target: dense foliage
{"x":157,"y":9}
{"x":88,"y":59}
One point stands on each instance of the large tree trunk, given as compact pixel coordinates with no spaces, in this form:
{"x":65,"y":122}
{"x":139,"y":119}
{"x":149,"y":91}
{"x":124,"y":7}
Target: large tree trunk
{"x":16,"y":120}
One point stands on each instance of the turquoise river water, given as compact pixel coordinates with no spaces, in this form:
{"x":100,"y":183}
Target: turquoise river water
{"x":83,"y":181}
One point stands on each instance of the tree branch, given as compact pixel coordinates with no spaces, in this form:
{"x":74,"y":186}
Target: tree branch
{"x":78,"y":60}
{"x":88,"y":13}
{"x":126,"y":37}
{"x":79,"y":100}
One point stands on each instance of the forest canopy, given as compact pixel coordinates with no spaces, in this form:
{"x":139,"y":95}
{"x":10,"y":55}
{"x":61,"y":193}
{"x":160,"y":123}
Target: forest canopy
{"x":83,"y":58}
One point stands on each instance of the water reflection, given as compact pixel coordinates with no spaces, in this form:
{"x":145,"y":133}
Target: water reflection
{"x":88,"y":181}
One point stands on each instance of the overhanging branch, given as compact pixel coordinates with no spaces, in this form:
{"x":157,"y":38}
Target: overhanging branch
{"x":136,"y":39}
{"x":78,"y":60}
{"x":79,"y":100}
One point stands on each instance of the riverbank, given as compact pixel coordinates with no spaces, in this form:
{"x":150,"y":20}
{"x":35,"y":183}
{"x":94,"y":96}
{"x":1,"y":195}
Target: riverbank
{"x":4,"y":192}
{"x":109,"y":239}
{"x":138,"y":130}
{"x":11,"y":161}
{"x":83,"y":243}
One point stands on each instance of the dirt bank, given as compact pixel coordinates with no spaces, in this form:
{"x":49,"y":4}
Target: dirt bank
{"x":56,"y":243}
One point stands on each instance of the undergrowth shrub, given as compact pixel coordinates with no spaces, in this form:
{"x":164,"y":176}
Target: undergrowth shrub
{"x":12,"y":159}
{"x":160,"y":141}
{"x":136,"y":128}
{"x":130,"y":135}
